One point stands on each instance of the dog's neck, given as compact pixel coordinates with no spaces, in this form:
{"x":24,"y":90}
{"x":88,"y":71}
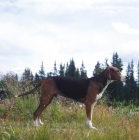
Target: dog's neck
{"x":102,"y":79}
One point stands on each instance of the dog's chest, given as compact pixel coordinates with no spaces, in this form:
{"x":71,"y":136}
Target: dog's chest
{"x":101,"y":93}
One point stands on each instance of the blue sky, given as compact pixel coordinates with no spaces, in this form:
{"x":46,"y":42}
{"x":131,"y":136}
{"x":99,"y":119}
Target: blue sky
{"x":32,"y":31}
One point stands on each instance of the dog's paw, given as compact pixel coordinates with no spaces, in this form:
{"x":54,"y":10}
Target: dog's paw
{"x":94,"y":128}
{"x":40,"y":122}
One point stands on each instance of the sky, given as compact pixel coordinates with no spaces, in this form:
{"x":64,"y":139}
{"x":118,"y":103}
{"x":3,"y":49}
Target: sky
{"x":36,"y":31}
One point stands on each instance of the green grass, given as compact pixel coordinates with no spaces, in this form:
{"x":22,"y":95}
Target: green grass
{"x":66,"y":122}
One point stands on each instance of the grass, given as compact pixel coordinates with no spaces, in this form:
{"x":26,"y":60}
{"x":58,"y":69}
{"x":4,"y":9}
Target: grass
{"x":66,"y":121}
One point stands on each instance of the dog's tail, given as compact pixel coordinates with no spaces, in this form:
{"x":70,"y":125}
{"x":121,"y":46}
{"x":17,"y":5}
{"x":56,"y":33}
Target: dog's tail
{"x":31,"y":91}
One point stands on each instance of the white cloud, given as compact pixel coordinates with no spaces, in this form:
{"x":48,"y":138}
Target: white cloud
{"x":124,"y":28}
{"x":32,"y":31}
{"x":130,"y":45}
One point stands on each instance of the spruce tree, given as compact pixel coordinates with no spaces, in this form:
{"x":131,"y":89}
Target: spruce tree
{"x":55,"y":70}
{"x":36,"y":79}
{"x":98,"y":68}
{"x":67,"y":70}
{"x":27,"y":75}
{"x":138,"y":83}
{"x":117,"y":62}
{"x":115,"y":90}
{"x":72,"y":68}
{"x":27,"y":79}
{"x":77,"y":73}
{"x":131,"y":85}
{"x":62,"y":70}
{"x":138,"y":74}
{"x":105,"y":65}
{"x":42,"y":72}
{"x":83,"y":72}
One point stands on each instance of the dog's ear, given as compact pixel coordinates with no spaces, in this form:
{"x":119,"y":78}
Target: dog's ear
{"x":108,"y":73}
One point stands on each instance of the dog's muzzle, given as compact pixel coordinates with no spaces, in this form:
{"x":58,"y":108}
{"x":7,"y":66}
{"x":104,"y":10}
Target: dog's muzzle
{"x":123,"y":78}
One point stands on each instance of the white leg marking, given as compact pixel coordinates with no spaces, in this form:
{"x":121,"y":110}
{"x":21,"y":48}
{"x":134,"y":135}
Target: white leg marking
{"x":36,"y":124}
{"x":40,"y":122}
{"x":93,"y":107}
{"x":89,"y":123}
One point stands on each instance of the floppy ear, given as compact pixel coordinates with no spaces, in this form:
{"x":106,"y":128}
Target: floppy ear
{"x":108,"y":74}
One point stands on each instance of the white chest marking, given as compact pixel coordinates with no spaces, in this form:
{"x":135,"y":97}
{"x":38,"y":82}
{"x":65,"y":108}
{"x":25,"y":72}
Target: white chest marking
{"x":100,"y":94}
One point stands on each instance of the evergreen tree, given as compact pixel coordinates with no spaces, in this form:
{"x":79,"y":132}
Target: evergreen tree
{"x":83,"y":72}
{"x":27,"y":79}
{"x":16,"y":77}
{"x":49,"y":74}
{"x":98,"y":68}
{"x":27,"y":75}
{"x":36,"y":79}
{"x":77,"y":74}
{"x":72,"y":68}
{"x":138,"y":82}
{"x":42,"y":72}
{"x":131,"y":85}
{"x":138,"y":74}
{"x":67,"y":70}
{"x":106,"y":63}
{"x":127,"y":86}
{"x":117,"y":62}
{"x":115,"y":90}
{"x":62,"y":70}
{"x":55,"y":70}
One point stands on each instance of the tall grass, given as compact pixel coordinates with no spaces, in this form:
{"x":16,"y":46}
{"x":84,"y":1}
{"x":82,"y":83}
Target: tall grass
{"x":66,"y":122}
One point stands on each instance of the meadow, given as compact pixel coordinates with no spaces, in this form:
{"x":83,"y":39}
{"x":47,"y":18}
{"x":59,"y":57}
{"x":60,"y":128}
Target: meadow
{"x":65,"y":120}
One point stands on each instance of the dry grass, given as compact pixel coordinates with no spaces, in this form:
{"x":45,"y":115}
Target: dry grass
{"x":64,"y":119}
{"x":66,"y":122}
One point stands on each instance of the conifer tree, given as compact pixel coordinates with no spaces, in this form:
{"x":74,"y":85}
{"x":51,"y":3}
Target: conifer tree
{"x":117,"y":62}
{"x":115,"y":90}
{"x":36,"y":79}
{"x":131,"y":85}
{"x":55,"y":70}
{"x":138,"y":83}
{"x":83,"y":72}
{"x":98,"y":68}
{"x":138,"y":74}
{"x":105,"y":65}
{"x":72,"y":68}
{"x":27,"y":79}
{"x":27,"y":75}
{"x":77,"y":74}
{"x":42,"y":72}
{"x":67,"y":70}
{"x":62,"y":70}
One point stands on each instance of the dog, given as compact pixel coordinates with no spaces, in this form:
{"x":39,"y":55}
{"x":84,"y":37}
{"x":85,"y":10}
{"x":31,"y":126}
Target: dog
{"x":86,"y":91}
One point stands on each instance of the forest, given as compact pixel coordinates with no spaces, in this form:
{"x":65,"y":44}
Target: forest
{"x":117,"y":92}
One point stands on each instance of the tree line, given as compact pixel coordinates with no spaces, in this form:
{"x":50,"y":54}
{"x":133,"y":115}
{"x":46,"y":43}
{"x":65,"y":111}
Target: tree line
{"x":116,"y":92}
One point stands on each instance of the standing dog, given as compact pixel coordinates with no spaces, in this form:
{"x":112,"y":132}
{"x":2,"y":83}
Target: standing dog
{"x":86,"y":91}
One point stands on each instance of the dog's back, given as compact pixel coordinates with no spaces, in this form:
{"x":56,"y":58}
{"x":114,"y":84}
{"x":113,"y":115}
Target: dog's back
{"x":71,"y":87}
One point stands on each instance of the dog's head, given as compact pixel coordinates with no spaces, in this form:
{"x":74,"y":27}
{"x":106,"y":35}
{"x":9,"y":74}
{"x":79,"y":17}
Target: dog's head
{"x":113,"y":73}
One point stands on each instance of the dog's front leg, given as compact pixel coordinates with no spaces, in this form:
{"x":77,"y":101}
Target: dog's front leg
{"x":88,"y":106}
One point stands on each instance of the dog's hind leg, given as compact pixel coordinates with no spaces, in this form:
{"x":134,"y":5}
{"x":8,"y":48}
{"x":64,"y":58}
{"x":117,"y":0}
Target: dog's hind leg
{"x":39,"y":110}
{"x":48,"y":90}
{"x":36,"y":122}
